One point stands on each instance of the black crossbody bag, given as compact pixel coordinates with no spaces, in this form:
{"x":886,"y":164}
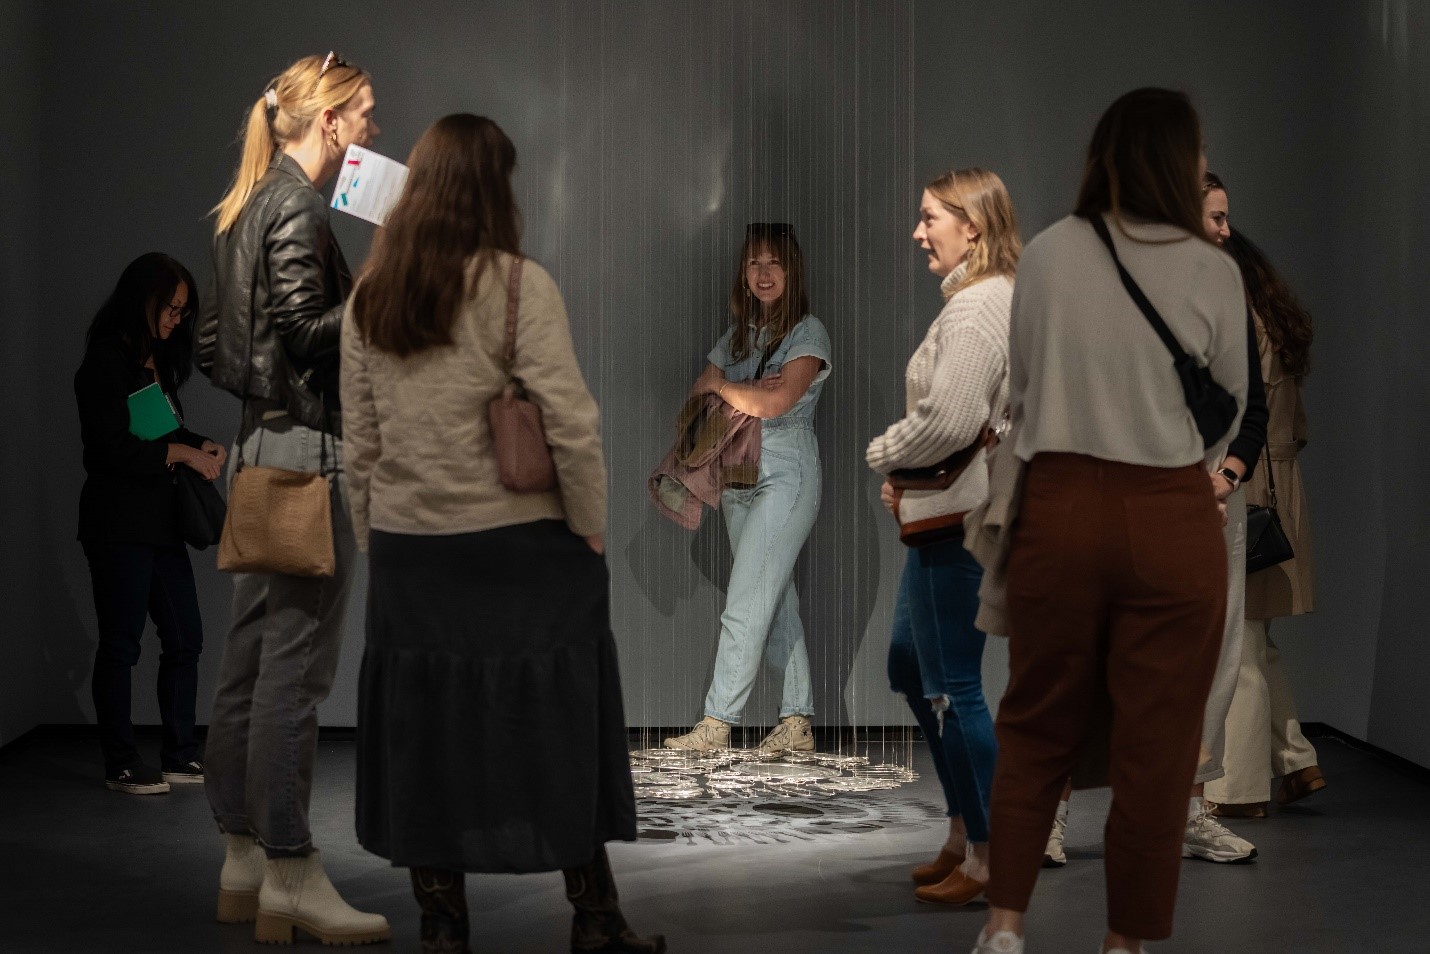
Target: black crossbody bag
{"x":1266,"y":542}
{"x":1213,"y":407}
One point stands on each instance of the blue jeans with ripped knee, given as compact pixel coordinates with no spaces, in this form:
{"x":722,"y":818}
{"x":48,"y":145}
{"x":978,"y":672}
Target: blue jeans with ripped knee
{"x":936,"y":661}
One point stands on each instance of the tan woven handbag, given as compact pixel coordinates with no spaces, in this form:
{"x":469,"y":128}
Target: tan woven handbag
{"x":279,"y":521}
{"x":524,"y":461}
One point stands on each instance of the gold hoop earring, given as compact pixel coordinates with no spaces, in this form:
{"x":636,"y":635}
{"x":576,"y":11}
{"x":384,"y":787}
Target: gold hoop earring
{"x":334,"y":139}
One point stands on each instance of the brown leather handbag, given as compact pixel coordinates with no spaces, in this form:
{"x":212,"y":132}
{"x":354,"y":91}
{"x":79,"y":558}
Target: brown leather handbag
{"x":524,"y":461}
{"x":940,"y":476}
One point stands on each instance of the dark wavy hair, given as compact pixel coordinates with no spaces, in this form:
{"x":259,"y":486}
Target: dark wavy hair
{"x":1287,"y":323}
{"x":128,"y":314}
{"x":457,"y":203}
{"x":1145,"y":160}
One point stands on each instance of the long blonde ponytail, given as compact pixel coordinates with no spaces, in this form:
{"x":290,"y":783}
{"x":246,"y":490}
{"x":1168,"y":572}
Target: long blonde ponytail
{"x":283,"y":114}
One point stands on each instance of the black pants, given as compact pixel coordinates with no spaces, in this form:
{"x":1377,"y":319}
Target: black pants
{"x":132,"y":581}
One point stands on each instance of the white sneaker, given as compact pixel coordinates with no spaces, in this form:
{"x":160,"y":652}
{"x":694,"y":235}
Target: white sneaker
{"x":244,"y":864}
{"x":793,"y":734}
{"x":709,"y":735}
{"x":1210,"y":840}
{"x":296,"y":893}
{"x":1053,"y":855}
{"x":1004,"y":942}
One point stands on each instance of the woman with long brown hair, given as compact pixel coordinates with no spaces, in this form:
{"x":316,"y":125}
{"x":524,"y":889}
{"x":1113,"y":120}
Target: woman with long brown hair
{"x":1263,"y":735}
{"x":956,"y":394}
{"x":491,"y":736}
{"x":1117,"y":569}
{"x":268,"y":334}
{"x":771,"y":364}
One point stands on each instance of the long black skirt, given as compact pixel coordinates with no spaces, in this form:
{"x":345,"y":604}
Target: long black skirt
{"x":491,"y":735}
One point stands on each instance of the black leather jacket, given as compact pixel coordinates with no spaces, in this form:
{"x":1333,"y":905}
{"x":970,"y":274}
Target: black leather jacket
{"x":269,"y":327}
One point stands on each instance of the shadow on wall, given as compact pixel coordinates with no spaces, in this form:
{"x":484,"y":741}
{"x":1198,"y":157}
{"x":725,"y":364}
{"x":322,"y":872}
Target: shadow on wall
{"x":63,"y":646}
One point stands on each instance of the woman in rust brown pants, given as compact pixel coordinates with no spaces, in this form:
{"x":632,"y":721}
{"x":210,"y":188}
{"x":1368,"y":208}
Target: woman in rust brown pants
{"x":1116,"y":575}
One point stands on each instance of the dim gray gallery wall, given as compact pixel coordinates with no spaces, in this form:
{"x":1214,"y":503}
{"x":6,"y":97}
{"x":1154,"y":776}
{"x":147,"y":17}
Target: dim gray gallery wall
{"x":1381,"y":396}
{"x":649,"y":133}
{"x":28,"y":564}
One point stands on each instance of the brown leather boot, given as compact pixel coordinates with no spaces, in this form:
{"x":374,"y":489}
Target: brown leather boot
{"x":598,"y":924}
{"x":1299,"y":784}
{"x":938,"y":869}
{"x":1237,"y":810}
{"x":442,"y":895}
{"x":957,"y":889}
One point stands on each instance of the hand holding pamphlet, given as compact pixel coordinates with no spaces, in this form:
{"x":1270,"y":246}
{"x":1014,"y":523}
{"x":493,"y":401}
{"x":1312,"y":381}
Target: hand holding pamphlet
{"x":151,"y":416}
{"x":369,"y":184}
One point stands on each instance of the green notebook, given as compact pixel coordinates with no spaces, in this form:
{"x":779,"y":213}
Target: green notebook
{"x":150,"y":413}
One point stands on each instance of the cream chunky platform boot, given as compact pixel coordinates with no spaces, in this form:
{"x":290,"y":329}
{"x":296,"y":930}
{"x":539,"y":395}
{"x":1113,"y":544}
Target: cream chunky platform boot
{"x":296,"y":893}
{"x":240,"y":879}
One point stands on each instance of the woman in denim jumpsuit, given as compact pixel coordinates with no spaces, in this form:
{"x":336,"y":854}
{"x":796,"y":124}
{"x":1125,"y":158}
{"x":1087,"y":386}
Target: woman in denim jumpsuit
{"x":771,"y":364}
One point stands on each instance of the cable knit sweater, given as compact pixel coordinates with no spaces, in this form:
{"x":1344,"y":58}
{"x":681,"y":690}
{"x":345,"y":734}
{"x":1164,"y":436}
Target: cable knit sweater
{"x":956,"y":382}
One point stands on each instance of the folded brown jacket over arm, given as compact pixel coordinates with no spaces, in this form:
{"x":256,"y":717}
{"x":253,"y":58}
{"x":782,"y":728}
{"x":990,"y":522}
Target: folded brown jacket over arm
{"x":715,"y":447}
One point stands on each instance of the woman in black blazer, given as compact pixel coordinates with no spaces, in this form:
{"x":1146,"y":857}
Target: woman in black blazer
{"x":128,"y":522}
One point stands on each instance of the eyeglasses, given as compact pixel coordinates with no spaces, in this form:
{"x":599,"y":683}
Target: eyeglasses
{"x":329,"y":61}
{"x":179,"y":311}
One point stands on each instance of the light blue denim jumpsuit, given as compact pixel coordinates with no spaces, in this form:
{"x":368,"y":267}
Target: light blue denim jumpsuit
{"x":768,"y":524}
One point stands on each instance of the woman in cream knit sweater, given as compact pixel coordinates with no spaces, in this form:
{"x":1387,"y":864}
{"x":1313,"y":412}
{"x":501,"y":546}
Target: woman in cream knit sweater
{"x":956,"y":389}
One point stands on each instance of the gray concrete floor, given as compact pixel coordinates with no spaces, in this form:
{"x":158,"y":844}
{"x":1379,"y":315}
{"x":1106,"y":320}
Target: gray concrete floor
{"x":83,"y":869}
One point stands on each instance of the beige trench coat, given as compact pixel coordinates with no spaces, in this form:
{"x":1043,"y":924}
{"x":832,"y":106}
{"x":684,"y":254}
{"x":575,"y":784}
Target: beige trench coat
{"x":1287,"y":589}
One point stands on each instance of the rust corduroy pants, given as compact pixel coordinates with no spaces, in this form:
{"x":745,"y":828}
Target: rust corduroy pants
{"x":1116,"y":598}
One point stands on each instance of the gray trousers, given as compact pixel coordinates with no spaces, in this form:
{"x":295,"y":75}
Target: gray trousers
{"x":279,"y":661}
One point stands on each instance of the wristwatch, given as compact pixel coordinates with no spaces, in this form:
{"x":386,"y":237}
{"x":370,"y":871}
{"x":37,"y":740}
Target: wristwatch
{"x":1231,"y":477}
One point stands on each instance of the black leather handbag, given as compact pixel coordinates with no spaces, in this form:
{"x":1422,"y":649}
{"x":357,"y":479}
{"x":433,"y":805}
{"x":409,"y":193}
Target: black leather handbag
{"x":1266,"y":542}
{"x":1213,"y":407}
{"x":201,"y":508}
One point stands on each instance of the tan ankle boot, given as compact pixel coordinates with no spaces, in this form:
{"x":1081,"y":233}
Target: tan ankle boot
{"x":296,"y":893}
{"x":240,"y":879}
{"x":793,"y":734}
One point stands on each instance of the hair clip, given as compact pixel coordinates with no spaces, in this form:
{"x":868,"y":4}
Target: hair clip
{"x":270,"y":95}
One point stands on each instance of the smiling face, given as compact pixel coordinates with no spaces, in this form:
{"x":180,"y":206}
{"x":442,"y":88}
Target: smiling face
{"x":1215,"y":216}
{"x":166,"y":316}
{"x":944,"y":234}
{"x":765,"y":275}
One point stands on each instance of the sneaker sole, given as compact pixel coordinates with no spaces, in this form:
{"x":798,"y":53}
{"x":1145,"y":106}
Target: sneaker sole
{"x":279,"y":929}
{"x":138,"y":788}
{"x":1202,"y":854}
{"x":180,"y":778}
